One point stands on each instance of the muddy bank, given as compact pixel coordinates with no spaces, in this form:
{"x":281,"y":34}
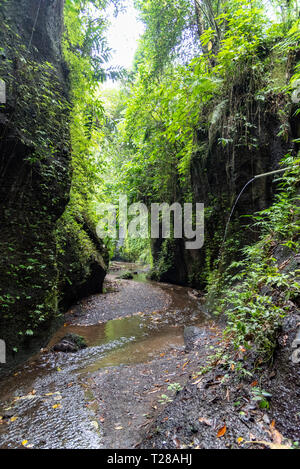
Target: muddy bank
{"x":219,"y":410}
{"x":204,"y":409}
{"x":282,"y":380}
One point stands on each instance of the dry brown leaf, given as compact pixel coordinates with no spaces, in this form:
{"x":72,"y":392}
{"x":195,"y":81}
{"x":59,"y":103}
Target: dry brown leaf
{"x":276,"y":436}
{"x":198,"y":381}
{"x":222,"y":431}
{"x":185,"y":364}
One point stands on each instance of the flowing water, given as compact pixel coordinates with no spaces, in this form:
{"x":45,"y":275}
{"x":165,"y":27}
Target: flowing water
{"x":46,"y":402}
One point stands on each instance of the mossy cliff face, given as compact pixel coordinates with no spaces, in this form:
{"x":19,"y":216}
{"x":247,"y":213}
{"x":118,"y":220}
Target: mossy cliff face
{"x":219,"y":172}
{"x":82,"y":258}
{"x":35,"y":174}
{"x":243,"y":132}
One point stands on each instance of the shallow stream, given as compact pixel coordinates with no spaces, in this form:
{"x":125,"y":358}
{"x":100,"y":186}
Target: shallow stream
{"x":46,"y":402}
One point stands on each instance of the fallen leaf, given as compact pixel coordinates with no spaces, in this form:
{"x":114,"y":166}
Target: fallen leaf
{"x":240,"y":440}
{"x":255,"y":383}
{"x":119,"y":428}
{"x":198,"y":381}
{"x":24,"y":442}
{"x":222,"y":431}
{"x":13,"y":419}
{"x":277,"y":437}
{"x":56,"y":406}
{"x":29,"y":396}
{"x":95,"y":424}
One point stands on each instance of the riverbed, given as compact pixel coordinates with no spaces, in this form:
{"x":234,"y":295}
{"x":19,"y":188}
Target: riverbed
{"x":106,"y":395}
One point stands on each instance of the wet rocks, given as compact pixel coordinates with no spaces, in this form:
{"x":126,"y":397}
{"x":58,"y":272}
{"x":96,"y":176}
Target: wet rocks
{"x":192,"y":336}
{"x":71,"y":343}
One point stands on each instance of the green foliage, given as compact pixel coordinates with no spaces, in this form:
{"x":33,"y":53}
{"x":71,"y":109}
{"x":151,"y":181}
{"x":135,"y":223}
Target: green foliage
{"x":166,"y":259}
{"x":136,"y":250}
{"x":261,"y":396}
{"x":165,"y":399}
{"x":169,"y":100}
{"x":170,"y":27}
{"x":40,"y":109}
{"x":35,"y":140}
{"x":38,"y":118}
{"x":127,"y":275}
{"x":141,"y":140}
{"x":175,"y":387}
{"x":258,"y":296}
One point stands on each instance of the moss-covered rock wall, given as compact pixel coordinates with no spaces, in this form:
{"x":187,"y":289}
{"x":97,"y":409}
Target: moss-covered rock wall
{"x":244,"y":131}
{"x":36,"y":275}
